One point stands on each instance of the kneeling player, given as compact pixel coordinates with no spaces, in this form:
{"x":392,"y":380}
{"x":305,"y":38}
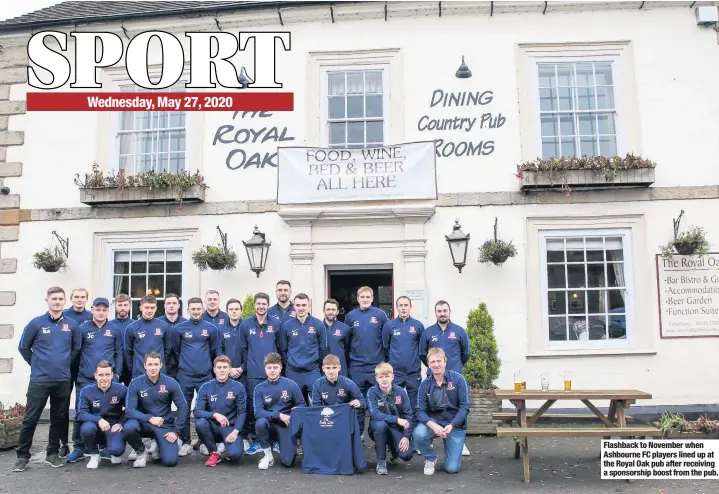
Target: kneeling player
{"x":101,"y":408}
{"x":221,"y":410}
{"x":391,"y":418}
{"x":273,"y":400}
{"x":333,"y":389}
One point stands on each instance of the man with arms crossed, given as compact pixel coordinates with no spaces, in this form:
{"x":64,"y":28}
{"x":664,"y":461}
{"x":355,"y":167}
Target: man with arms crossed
{"x":283,"y":309}
{"x":391,"y":419}
{"x":148,"y":406}
{"x":213,"y":314}
{"x":101,"y":408}
{"x":443,"y":409}
{"x":366,"y":351}
{"x":338,"y":334}
{"x":49,"y":344}
{"x":273,"y":401}
{"x":220,"y":411}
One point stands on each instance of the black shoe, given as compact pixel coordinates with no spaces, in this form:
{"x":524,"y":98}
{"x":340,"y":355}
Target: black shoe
{"x":54,"y":461}
{"x":20,"y":465}
{"x":64,"y":451}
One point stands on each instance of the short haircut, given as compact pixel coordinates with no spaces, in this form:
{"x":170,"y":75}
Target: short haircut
{"x":55,"y":289}
{"x":302,"y":296}
{"x":283,"y":282}
{"x":150,"y":355}
{"x":148,"y":299}
{"x":401,"y":297}
{"x":273,"y":358}
{"x":172,"y":295}
{"x":262,"y":295}
{"x":123,"y":297}
{"x":103,"y":364}
{"x":194,"y":300}
{"x":442,"y":302}
{"x":382,"y":369}
{"x":363,"y":289}
{"x":222,"y":359}
{"x":212,"y":292}
{"x":233,"y":301}
{"x":79,"y":290}
{"x":436,"y":351}
{"x":331,"y":360}
{"x":331,"y":301}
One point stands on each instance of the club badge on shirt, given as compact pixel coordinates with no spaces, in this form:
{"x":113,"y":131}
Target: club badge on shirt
{"x":340,"y":392}
{"x":312,"y":330}
{"x":373,"y":320}
{"x":450,"y":386}
{"x":412,"y":330}
{"x":158,"y":332}
{"x":204,"y":333}
{"x":221,"y":321}
{"x":65,"y":327}
{"x":162,"y":389}
{"x":230,"y":395}
{"x":338,"y":332}
{"x":108,"y":332}
{"x":284,"y":394}
{"x":397,"y":400}
{"x":452,"y":336}
{"x":114,"y":400}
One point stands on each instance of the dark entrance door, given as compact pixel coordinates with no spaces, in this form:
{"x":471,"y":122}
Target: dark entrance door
{"x":343,"y":284}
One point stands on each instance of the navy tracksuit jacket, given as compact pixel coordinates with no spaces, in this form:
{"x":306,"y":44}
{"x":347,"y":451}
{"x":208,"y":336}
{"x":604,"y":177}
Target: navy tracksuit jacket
{"x":256,"y":341}
{"x":269,"y":401}
{"x":142,"y":337}
{"x":445,"y":404}
{"x":170,"y":366}
{"x":227,"y":398}
{"x":338,"y":343}
{"x":95,"y":404}
{"x":303,"y":346}
{"x":78,"y":317}
{"x":453,"y":341}
{"x":384,"y":430}
{"x":230,"y":336}
{"x":146,"y":399}
{"x":196,"y":344}
{"x":122,"y":325}
{"x":343,"y":391}
{"x":218,"y":319}
{"x":99,"y":344}
{"x":282,"y":314}
{"x":50,"y":346}
{"x":401,"y":342}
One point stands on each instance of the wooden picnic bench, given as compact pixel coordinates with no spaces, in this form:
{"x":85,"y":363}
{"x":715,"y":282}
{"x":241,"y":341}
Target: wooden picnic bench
{"x":615,"y":420}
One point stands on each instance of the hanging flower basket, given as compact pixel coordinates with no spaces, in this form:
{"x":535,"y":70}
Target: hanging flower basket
{"x":215,"y":257}
{"x":690,"y":242}
{"x":495,"y":250}
{"x":50,"y":260}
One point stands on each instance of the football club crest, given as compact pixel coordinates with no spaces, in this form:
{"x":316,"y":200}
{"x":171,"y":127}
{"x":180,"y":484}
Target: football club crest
{"x":412,"y":329}
{"x":158,"y":332}
{"x":113,"y":400}
{"x":65,"y":327}
{"x":373,"y":320}
{"x":162,"y":389}
{"x":221,"y":321}
{"x":284,"y":394}
{"x":452,"y":335}
{"x":338,"y":332}
{"x":204,"y":332}
{"x":450,"y":386}
{"x":311,"y":330}
{"x":230,"y":395}
{"x":269,"y":329}
{"x":397,"y":400}
{"x":340,"y":392}
{"x":108,"y":332}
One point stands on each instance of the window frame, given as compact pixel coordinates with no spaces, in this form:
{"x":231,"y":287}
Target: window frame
{"x":626,"y":235}
{"x":324,"y":98}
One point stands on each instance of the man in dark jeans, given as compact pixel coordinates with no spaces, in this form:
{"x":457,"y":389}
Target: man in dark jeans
{"x":49,"y":344}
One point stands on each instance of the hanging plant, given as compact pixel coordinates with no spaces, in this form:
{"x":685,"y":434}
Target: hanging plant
{"x":690,"y":242}
{"x":495,"y":250}
{"x":216,"y":258}
{"x":50,"y":260}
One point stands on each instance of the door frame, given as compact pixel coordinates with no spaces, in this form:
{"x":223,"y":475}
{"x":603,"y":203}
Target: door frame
{"x":355,"y":268}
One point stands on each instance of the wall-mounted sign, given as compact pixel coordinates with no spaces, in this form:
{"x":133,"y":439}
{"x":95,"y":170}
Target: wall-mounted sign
{"x":688,"y":296}
{"x":311,"y":175}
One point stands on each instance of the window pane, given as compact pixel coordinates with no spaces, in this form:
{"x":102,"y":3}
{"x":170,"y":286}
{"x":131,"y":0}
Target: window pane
{"x":566,"y":98}
{"x":575,"y":276}
{"x":177,"y":142}
{"x":546,"y":75}
{"x":557,"y":303}
{"x":122,"y":285}
{"x":142,"y":120}
{"x":177,"y":119}
{"x":615,"y":299}
{"x":336,"y":107}
{"x":603,"y":74}
{"x":155,"y":285}
{"x":569,"y":147}
{"x":608,"y":146}
{"x":617,"y":325}
{"x":595,"y":249}
{"x":565,"y":75}
{"x":336,"y":83}
{"x":374,"y":105}
{"x":355,"y":106}
{"x":605,"y":97}
{"x":160,"y":308}
{"x":595,"y":275}
{"x":597,"y":328}
{"x":157,"y":261}
{"x":556,"y":276}
{"x":337,"y":133}
{"x":588,"y":124}
{"x":126,"y":120}
{"x":550,"y":147}
{"x":549,"y":125}
{"x":355,"y":132}
{"x":575,"y":250}
{"x":127,"y":143}
{"x":160,"y":120}
{"x":585,"y":74}
{"x":163,"y":141}
{"x":577,"y":328}
{"x":373,"y":81}
{"x":615,"y":274}
{"x":139,"y":262}
{"x":355,"y":82}
{"x":135,"y":309}
{"x":138,"y":286}
{"x":557,"y":329}
{"x":566,"y":124}
{"x":588,"y":146}
{"x":174,"y":284}
{"x":174,"y":261}
{"x":615,"y":251}
{"x":555,"y":250}
{"x":606,"y":123}
{"x":122,"y":262}
{"x":375,"y":132}
{"x":585,"y":97}
{"x":595,"y":301}
{"x":548,"y":100}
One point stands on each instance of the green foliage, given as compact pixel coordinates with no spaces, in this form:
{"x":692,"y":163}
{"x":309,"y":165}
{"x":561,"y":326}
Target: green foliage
{"x":671,"y":421}
{"x":496,"y":251}
{"x":483,"y":365}
{"x":179,"y":182}
{"x":690,"y":242}
{"x":248,"y":306}
{"x":216,"y":258}
{"x":50,"y":260}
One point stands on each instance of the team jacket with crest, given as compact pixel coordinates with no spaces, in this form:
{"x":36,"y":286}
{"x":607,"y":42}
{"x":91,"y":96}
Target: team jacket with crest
{"x":400,"y":340}
{"x":273,"y":398}
{"x":122,"y":324}
{"x":227,"y":398}
{"x":453,"y":341}
{"x":146,"y":400}
{"x":338,"y":343}
{"x":256,"y":341}
{"x":100,"y":344}
{"x":79,"y":317}
{"x":196,"y":344}
{"x":366,"y":349}
{"x":445,"y":404}
{"x":95,"y":404}
{"x":230,"y":336}
{"x":282,"y":314}
{"x":390,"y":407}
{"x":142,"y":337}
{"x":49,"y":346}
{"x":303,"y":345}
{"x":219,"y":319}
{"x":343,"y":391}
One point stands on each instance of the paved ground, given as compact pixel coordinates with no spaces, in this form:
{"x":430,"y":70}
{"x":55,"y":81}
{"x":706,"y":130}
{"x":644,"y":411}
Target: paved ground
{"x":569,"y":465}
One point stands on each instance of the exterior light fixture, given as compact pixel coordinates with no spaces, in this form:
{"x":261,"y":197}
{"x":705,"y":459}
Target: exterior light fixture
{"x":257,"y":248}
{"x":458,"y":243}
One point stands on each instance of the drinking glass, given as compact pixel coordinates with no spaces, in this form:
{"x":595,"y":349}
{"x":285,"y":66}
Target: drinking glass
{"x":567,"y":381}
{"x":545,"y":382}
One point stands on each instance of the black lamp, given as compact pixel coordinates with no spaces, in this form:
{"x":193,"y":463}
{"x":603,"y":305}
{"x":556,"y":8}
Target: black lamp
{"x":257,"y":248}
{"x":458,"y":243}
{"x":463,"y":71}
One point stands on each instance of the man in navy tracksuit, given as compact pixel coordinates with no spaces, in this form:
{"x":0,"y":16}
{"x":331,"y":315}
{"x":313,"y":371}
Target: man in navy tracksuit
{"x":101,"y":409}
{"x":48,"y":344}
{"x":259,"y":336}
{"x":122,"y":321}
{"x":148,"y":406}
{"x":213,"y":314}
{"x":391,"y":419}
{"x":334,"y":389}
{"x":273,"y":401}
{"x":448,"y":336}
{"x":196,"y":344}
{"x":303,"y":345}
{"x":443,"y":400}
{"x":101,"y":340}
{"x":338,"y":335}
{"x":172,"y":317}
{"x":283,"y":309}
{"x":366,"y":351}
{"x":147,"y":334}
{"x":220,"y":411}
{"x":400,"y":338}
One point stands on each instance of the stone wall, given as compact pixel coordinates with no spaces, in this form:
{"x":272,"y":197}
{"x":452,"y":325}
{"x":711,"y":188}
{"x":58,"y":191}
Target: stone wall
{"x":13,"y":63}
{"x":482,"y":404}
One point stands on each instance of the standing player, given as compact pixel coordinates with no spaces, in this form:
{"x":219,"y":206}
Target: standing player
{"x":122,"y":321}
{"x":213,"y":314}
{"x":283,"y":309}
{"x":147,"y":334}
{"x":338,"y":334}
{"x":172,"y":317}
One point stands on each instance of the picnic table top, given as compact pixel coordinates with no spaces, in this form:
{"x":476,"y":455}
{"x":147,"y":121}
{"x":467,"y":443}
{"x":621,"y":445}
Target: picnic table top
{"x":575,"y":394}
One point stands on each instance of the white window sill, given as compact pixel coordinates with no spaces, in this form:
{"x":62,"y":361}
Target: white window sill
{"x":591,"y":353}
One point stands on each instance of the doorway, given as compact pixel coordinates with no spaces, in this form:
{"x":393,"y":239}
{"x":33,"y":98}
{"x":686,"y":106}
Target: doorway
{"x":342,"y":285}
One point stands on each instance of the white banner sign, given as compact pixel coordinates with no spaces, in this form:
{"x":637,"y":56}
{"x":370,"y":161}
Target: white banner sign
{"x":310,"y":175}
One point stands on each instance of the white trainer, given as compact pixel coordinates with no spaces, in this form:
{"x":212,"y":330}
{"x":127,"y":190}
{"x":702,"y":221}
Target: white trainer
{"x":204,"y":451}
{"x":220,"y":447}
{"x":132,"y":456}
{"x":141,"y":461}
{"x":266,"y":462}
{"x":429,"y":467}
{"x":94,"y":461}
{"x":115,"y":460}
{"x":465,"y":451}
{"x":151,"y":447}
{"x":185,"y":449}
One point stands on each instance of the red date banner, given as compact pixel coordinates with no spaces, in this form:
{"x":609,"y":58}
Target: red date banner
{"x":159,"y":101}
